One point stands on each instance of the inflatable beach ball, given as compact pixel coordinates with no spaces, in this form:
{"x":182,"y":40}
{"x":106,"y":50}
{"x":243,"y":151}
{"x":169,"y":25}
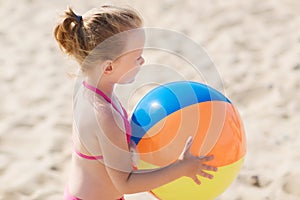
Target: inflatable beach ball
{"x":163,"y":120}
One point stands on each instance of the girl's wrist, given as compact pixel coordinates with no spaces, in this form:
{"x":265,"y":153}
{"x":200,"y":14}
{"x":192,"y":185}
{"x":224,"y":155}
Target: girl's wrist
{"x":183,"y":168}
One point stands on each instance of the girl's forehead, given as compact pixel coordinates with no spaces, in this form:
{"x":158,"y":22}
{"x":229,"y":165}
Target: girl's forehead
{"x":137,"y":39}
{"x":130,"y":41}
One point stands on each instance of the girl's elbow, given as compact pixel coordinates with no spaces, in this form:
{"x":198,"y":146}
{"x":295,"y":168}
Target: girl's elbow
{"x":126,"y":189}
{"x":130,"y":186}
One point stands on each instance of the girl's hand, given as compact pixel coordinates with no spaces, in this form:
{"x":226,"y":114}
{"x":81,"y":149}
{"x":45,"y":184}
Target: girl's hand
{"x":195,"y":164}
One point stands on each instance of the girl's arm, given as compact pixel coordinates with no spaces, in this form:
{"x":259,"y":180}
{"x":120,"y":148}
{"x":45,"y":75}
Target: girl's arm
{"x":117,"y":159}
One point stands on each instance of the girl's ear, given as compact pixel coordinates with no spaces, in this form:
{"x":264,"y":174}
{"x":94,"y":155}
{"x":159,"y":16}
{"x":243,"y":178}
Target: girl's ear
{"x":107,"y":67}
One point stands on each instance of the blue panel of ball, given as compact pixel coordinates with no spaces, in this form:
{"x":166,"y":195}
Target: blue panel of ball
{"x":166,"y":99}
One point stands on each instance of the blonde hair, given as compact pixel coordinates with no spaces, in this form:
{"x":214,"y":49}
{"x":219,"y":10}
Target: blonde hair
{"x":78,"y":36}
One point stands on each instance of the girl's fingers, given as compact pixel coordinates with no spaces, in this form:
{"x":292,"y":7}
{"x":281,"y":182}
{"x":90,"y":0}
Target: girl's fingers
{"x":206,"y":158}
{"x":186,"y":148}
{"x":196,"y":180}
{"x":205,"y":175}
{"x":209,"y":168}
{"x":188,"y":144}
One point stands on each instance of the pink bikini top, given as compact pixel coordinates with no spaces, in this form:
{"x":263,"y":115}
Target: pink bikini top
{"x":124,"y":117}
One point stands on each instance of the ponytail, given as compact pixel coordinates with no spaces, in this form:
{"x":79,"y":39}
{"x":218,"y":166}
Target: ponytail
{"x":70,"y":35}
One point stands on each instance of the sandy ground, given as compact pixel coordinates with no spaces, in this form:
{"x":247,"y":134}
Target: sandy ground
{"x":255,"y":46}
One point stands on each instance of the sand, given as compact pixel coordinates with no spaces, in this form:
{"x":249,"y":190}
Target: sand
{"x":254,"y":45}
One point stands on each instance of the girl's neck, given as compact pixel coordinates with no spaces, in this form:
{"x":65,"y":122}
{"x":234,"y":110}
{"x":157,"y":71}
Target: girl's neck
{"x":104,"y":86}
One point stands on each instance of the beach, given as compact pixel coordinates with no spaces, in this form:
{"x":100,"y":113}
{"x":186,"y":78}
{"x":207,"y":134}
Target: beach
{"x":252,"y":47}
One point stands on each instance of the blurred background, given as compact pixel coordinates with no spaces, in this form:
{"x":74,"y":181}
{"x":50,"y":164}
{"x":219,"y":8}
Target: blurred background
{"x":254,"y":45}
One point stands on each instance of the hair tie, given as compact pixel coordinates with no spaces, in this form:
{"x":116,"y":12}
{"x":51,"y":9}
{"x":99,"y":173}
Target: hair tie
{"x":79,"y":18}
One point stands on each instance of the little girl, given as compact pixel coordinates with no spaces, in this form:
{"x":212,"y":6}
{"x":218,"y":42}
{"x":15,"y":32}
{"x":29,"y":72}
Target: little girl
{"x":102,"y":166}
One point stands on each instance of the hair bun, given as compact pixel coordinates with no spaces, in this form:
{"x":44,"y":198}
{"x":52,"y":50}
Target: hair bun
{"x":69,"y":32}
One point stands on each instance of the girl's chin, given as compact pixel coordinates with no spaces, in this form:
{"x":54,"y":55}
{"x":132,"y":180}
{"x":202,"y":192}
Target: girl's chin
{"x":131,"y":81}
{"x":126,"y":81}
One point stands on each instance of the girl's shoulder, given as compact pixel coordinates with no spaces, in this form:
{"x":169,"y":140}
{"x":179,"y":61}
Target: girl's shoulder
{"x":107,"y":116}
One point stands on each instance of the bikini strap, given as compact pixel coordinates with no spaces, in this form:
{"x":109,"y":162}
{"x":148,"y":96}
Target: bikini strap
{"x":86,"y":156}
{"x":109,"y":100}
{"x":96,"y":90}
